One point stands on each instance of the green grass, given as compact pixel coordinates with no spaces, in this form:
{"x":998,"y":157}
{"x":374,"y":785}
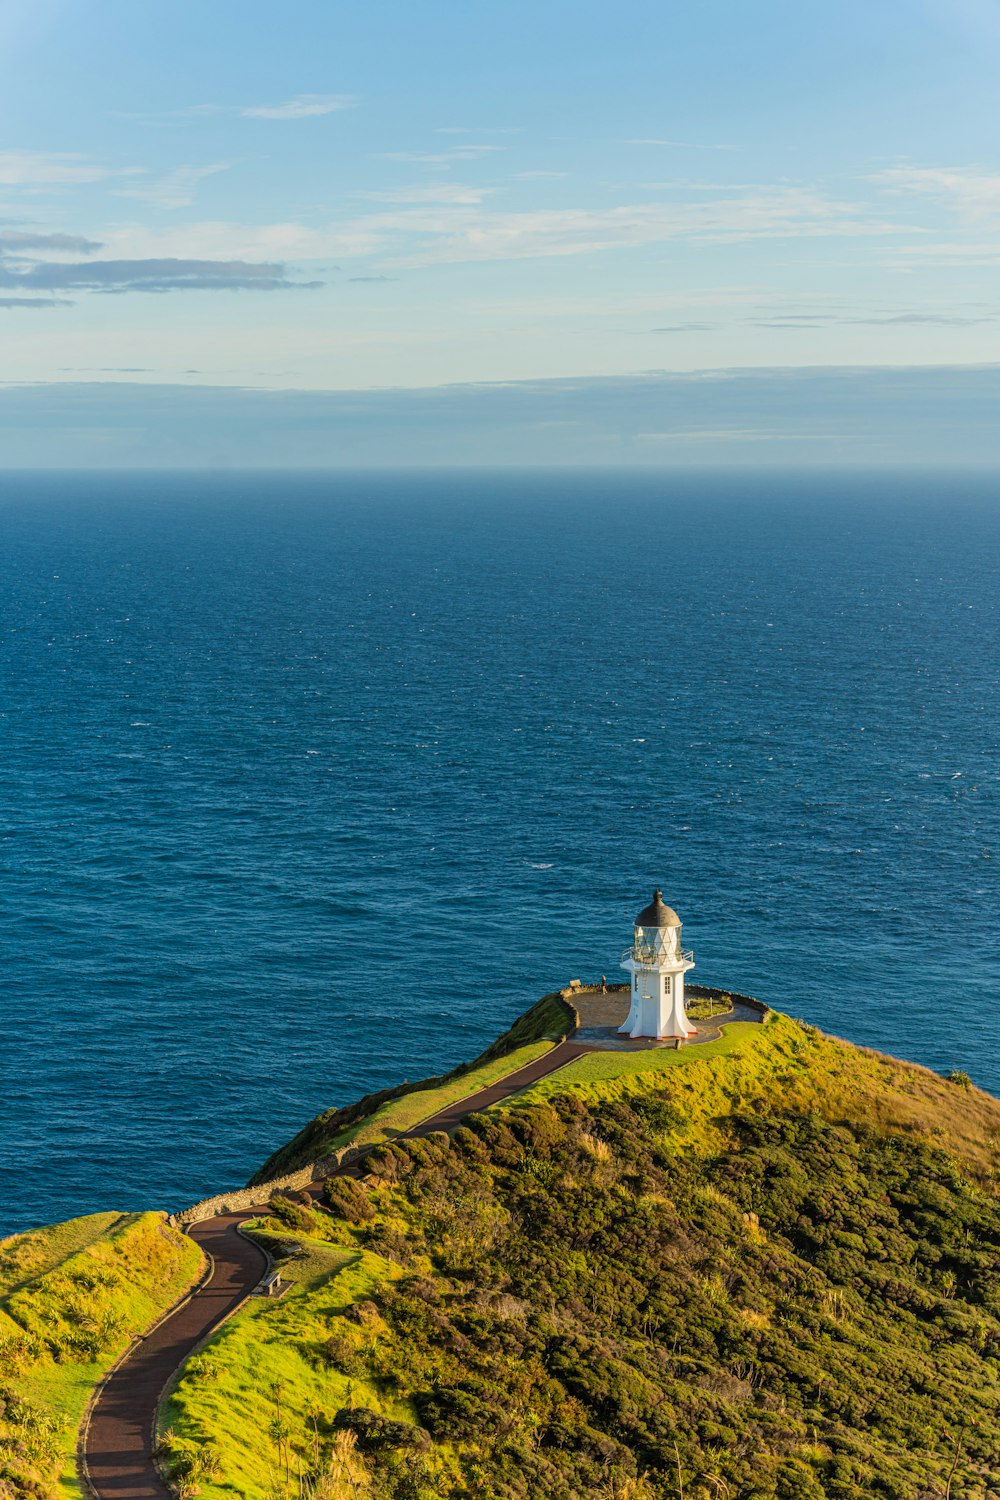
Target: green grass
{"x":704,"y":1007}
{"x":267,"y":1370}
{"x":25,"y":1257}
{"x":404,"y":1113}
{"x":597,"y":1067}
{"x":71,"y":1297}
{"x":751,"y":1066}
{"x":313,"y":1263}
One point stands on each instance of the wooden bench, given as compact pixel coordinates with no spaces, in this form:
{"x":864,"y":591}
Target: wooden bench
{"x":271,"y":1285}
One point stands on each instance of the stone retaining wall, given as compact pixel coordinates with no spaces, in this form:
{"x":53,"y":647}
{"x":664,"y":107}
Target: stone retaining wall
{"x":577,"y":987}
{"x":260,"y":1196}
{"x":709,"y":992}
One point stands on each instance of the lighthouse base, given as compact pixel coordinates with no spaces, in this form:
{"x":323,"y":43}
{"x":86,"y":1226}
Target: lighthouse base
{"x":656,"y":1008}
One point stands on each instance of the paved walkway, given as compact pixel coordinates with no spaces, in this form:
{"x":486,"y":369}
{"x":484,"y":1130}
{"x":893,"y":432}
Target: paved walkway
{"x":453,"y":1114}
{"x":119,"y":1440}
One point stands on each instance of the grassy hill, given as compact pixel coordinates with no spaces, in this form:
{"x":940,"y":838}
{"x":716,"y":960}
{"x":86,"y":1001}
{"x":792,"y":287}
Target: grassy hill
{"x":768,"y":1269}
{"x":71,"y":1297}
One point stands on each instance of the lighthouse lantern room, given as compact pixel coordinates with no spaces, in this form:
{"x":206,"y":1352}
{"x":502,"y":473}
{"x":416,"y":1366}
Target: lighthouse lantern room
{"x":657,"y":964}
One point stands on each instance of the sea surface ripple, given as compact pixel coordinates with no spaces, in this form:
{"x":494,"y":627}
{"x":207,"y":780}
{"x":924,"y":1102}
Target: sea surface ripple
{"x":311,"y":784}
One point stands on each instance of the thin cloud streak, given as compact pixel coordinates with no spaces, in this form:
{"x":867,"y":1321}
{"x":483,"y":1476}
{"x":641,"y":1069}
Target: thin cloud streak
{"x":442,"y":158}
{"x":49,"y":169}
{"x":18,"y":240}
{"x":164,"y":275}
{"x":440,"y":192}
{"x":778,"y":214}
{"x":34,"y":302}
{"x":175,"y":190}
{"x":302,"y":107}
{"x":682,"y":145}
{"x":446,"y":229}
{"x":973,"y":193}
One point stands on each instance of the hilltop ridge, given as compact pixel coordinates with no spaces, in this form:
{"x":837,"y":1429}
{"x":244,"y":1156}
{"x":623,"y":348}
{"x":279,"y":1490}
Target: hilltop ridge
{"x":764,"y":1267}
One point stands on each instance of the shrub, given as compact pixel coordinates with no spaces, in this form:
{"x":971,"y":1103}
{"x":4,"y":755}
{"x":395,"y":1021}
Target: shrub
{"x":293,"y":1215}
{"x":339,"y":1352}
{"x":375,"y":1432}
{"x":348,"y":1200}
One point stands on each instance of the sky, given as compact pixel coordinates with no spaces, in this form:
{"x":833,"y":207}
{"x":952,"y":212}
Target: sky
{"x":322,"y":198}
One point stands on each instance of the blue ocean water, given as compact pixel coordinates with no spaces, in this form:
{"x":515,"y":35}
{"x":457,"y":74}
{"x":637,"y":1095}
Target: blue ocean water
{"x":311,"y":784}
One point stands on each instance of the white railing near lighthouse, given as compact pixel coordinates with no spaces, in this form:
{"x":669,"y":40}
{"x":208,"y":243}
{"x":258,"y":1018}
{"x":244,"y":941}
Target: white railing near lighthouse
{"x":650,"y":957}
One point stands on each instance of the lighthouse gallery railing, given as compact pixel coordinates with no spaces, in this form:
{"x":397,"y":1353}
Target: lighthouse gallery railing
{"x":649,"y":957}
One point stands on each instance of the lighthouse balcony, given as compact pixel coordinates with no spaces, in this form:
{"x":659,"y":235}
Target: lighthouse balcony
{"x":649,"y":958}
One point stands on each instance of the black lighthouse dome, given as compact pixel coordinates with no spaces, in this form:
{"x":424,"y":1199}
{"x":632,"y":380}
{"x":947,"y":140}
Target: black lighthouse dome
{"x":657,"y":914}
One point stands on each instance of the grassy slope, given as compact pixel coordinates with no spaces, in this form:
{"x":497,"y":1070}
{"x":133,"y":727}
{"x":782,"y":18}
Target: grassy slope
{"x":768,"y":1267}
{"x":71,"y":1297}
{"x":268,"y":1367}
{"x":383,"y":1115}
{"x":798,"y":1068}
{"x":403,"y":1114}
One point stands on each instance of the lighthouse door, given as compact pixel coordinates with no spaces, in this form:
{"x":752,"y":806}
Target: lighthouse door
{"x":648,"y":1007}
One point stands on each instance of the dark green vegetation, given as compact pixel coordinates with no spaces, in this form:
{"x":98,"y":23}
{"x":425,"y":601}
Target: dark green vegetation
{"x":71,"y":1297}
{"x":770,"y":1274}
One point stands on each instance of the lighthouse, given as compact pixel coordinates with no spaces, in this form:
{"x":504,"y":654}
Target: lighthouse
{"x":657,"y":964}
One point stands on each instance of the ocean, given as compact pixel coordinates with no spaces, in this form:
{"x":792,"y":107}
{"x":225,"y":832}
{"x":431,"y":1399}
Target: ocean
{"x":312,"y":783}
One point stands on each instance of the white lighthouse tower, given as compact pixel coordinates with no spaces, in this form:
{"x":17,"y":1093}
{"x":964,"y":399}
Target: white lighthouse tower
{"x":657,"y":964}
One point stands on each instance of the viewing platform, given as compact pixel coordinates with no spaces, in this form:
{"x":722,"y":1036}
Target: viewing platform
{"x":601,"y":1014}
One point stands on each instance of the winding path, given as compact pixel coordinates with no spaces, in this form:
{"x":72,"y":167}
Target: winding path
{"x":118,"y":1442}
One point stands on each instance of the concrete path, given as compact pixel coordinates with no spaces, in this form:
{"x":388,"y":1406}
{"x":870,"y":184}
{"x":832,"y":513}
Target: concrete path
{"x":118,"y":1444}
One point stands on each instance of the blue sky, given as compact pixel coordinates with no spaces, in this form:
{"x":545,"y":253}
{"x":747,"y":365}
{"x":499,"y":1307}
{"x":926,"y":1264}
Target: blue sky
{"x":330,"y":197}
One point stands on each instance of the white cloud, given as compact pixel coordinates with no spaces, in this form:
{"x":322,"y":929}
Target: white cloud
{"x":973,"y":193}
{"x":302,"y":107}
{"x":224,"y":240}
{"x":910,"y":257}
{"x":682,"y":145}
{"x":175,"y":190}
{"x":43,"y":169}
{"x":435,"y":192}
{"x":443,"y":230}
{"x":775,"y":213}
{"x":469,"y":152}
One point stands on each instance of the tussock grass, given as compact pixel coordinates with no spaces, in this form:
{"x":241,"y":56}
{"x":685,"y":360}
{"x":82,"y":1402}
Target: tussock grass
{"x":25,"y":1257}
